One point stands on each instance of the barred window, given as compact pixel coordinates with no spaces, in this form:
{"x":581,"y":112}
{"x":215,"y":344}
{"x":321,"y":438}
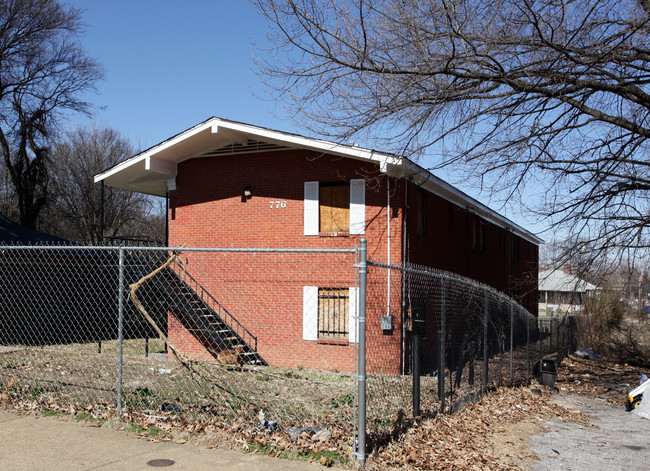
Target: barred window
{"x":333,"y":313}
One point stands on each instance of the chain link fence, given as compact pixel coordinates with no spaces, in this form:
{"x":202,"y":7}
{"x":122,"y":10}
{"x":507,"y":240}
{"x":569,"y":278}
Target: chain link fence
{"x":264,"y":342}
{"x":456,"y":338}
{"x":247,"y":339}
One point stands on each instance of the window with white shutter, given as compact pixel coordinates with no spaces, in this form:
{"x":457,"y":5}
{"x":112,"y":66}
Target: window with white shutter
{"x":330,"y":314}
{"x":336,"y":208}
{"x":310,"y":313}
{"x":311,"y":208}
{"x":358,"y":206}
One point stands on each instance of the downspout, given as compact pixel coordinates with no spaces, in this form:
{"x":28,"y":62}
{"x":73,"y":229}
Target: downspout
{"x":404,"y":278}
{"x":167,"y":219}
{"x":509,"y":242}
{"x":389,"y":242}
{"x":101,"y":215}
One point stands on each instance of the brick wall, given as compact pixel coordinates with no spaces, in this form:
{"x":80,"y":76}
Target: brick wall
{"x":209,"y":209}
{"x":450,"y":243}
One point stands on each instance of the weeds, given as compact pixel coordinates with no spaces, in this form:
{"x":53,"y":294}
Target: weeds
{"x":87,"y":417}
{"x":341,"y":401}
{"x":132,"y":427}
{"x":154,"y":431}
{"x":325,"y":457}
{"x":54,"y":413}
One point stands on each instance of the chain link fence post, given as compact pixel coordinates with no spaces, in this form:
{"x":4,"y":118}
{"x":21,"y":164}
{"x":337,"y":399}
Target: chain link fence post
{"x":512,"y":326}
{"x":120,"y":331}
{"x":527,"y":351}
{"x":442,"y":348}
{"x":416,"y":372}
{"x":441,"y":370}
{"x":485,"y":341}
{"x":363,"y":272}
{"x":542,"y":330}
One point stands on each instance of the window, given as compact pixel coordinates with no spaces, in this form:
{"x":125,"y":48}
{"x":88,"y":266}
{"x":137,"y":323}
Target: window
{"x":422,"y":213}
{"x":478,"y":235}
{"x":514,"y":248}
{"x":335,"y":208}
{"x":333,"y":313}
{"x":330,"y":313}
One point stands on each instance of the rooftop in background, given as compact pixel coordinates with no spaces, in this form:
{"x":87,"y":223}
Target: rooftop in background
{"x":15,"y":234}
{"x":559,"y":281}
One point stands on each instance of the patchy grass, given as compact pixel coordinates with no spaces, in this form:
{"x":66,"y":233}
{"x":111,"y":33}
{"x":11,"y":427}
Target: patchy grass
{"x":88,"y":417}
{"x":54,"y":413}
{"x":154,"y":431}
{"x":135,"y":428}
{"x":325,"y":457}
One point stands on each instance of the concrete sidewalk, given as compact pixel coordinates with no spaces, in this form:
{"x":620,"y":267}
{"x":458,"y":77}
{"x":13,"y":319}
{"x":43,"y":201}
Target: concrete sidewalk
{"x":50,"y":443}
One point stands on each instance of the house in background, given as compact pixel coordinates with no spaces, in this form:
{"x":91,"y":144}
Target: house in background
{"x":561,"y":292}
{"x":15,"y":234}
{"x":231,"y":184}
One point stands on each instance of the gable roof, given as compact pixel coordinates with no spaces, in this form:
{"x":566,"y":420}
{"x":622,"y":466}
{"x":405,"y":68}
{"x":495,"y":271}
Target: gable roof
{"x":15,"y":234}
{"x":153,"y":171}
{"x":558,"y":281}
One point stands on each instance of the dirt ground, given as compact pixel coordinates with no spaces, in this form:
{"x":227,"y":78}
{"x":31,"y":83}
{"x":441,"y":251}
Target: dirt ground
{"x":613,"y":439}
{"x":581,"y":425}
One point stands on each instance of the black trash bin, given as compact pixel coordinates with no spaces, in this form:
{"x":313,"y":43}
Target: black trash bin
{"x":548,"y":372}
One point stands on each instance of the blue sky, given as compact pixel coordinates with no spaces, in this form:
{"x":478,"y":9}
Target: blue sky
{"x":170,"y":65}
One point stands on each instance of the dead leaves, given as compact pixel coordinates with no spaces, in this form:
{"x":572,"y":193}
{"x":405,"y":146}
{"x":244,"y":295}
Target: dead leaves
{"x":462,"y":441}
{"x":466,"y":440}
{"x":599,"y":378}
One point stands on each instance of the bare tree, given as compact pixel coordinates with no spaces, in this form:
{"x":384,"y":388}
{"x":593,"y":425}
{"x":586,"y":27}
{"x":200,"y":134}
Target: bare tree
{"x":8,"y":204}
{"x":74,"y":209}
{"x":522,"y":93}
{"x":43,"y":72}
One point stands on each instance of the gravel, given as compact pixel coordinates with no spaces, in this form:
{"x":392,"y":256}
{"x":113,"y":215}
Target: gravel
{"x":614,"y":440}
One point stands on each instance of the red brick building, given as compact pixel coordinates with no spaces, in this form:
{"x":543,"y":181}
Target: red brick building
{"x":231,"y":184}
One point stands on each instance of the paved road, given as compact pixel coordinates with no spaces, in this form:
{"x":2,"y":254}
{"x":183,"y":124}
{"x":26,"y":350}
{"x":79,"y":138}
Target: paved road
{"x":48,"y":443}
{"x":619,"y":441}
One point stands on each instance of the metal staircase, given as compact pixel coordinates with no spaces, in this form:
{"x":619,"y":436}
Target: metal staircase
{"x":199,"y":312}
{"x":217,"y":328}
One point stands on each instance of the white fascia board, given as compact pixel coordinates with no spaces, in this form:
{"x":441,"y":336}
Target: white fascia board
{"x":119,"y":167}
{"x":282,"y":138}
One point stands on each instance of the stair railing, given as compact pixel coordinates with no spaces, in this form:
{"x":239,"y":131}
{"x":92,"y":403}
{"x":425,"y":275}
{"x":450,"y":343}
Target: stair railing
{"x":230,"y":320}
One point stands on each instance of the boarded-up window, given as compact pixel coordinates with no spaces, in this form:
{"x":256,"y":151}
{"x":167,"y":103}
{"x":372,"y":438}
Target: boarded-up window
{"x":334,"y":202}
{"x":333,"y":313}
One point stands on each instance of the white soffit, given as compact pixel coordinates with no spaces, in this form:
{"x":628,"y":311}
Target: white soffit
{"x":149,"y":171}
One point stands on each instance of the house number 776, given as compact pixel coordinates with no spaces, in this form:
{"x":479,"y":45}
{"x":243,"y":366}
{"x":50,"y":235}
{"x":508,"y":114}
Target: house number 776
{"x":278,"y":204}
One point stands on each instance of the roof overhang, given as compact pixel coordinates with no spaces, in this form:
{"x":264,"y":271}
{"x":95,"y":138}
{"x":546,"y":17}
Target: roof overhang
{"x":154,"y":171}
